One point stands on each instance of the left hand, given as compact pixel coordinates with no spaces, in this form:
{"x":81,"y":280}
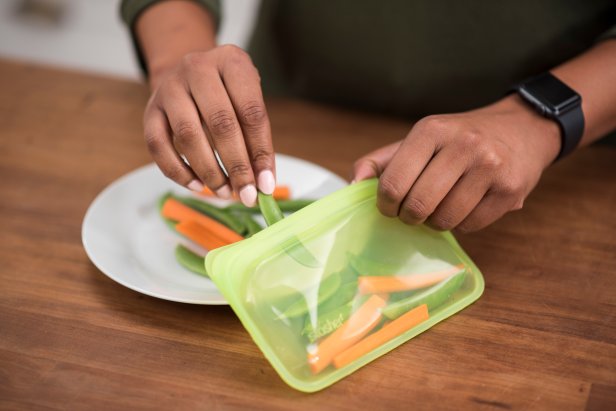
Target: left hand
{"x":463,"y":170}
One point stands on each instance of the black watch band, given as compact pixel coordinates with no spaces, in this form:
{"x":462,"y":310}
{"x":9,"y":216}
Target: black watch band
{"x":554,"y":99}
{"x":572,"y":127}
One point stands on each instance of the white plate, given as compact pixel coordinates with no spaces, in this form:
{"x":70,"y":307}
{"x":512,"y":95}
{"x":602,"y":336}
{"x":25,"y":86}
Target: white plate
{"x":126,"y":239}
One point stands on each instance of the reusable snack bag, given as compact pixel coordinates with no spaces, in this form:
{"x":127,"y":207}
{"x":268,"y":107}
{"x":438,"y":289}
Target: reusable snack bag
{"x":336,"y":285}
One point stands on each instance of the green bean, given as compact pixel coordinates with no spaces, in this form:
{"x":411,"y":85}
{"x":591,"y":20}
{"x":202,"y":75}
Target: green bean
{"x":190,"y":260}
{"x":433,"y":297}
{"x":285,"y":206}
{"x":216,"y":213}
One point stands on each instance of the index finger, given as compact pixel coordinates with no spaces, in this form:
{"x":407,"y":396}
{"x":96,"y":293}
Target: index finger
{"x":408,"y":162}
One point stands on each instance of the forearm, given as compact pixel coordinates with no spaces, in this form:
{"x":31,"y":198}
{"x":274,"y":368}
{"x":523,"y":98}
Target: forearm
{"x":593,"y":75}
{"x":171,"y":29}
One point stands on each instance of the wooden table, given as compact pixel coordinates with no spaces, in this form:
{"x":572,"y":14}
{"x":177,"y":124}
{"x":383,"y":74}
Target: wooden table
{"x":542,"y":336}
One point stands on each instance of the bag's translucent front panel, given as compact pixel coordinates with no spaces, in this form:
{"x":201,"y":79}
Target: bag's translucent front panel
{"x":326,"y":298}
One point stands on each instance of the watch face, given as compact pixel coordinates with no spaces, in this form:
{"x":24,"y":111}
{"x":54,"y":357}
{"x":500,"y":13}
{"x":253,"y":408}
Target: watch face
{"x":553,"y":94}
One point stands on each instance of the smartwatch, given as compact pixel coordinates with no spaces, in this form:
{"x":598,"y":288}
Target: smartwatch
{"x":553,"y":99}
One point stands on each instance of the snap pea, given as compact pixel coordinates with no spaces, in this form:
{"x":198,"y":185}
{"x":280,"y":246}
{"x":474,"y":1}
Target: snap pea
{"x":293,"y":247}
{"x":284,"y":205}
{"x":327,"y":288}
{"x":433,"y":297}
{"x":296,"y":250}
{"x":216,"y":213}
{"x":345,"y":293}
{"x":190,"y":260}
{"x":269,"y":208}
{"x":368,"y":266}
{"x":252,"y":227}
{"x":336,"y":310}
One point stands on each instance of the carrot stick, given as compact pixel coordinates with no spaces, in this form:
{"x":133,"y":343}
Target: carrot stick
{"x":280,"y":193}
{"x":360,"y":323}
{"x":390,"y":331}
{"x":406,"y":282}
{"x":199,"y":234}
{"x":177,"y":211}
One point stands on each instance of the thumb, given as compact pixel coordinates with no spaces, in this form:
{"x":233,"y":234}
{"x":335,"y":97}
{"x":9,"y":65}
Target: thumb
{"x":373,"y":164}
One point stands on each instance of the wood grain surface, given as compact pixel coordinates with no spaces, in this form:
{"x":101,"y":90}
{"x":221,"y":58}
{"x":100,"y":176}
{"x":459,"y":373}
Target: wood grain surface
{"x":543,"y":336}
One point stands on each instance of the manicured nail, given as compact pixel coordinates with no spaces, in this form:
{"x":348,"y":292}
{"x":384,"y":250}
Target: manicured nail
{"x":195,"y":185}
{"x":248,"y":195}
{"x":224,"y":192}
{"x":266,"y":182}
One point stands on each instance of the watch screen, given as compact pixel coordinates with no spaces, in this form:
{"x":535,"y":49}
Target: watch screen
{"x":552,"y":92}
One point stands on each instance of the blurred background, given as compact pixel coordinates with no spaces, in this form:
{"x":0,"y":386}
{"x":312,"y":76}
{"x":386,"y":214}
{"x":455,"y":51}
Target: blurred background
{"x":89,"y":35}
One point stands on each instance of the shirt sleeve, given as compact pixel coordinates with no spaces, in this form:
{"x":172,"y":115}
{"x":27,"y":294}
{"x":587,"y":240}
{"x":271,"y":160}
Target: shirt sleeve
{"x":610,"y":34}
{"x":131,"y":9}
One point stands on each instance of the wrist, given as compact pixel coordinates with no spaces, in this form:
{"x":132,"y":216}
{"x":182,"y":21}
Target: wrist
{"x":168,"y":30}
{"x":542,"y":135}
{"x":157,"y":71}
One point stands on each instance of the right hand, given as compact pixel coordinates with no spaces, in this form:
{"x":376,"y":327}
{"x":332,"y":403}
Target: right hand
{"x":212,"y":102}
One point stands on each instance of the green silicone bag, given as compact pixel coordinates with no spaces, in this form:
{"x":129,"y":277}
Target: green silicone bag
{"x":336,"y":285}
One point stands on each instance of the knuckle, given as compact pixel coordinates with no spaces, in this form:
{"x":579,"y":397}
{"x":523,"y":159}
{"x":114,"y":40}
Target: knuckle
{"x":471,"y":139}
{"x":369,"y":163}
{"x":358,"y":163}
{"x":154,"y":144}
{"x":234,"y":54}
{"x":238,"y":169}
{"x":489,"y":158}
{"x":261,"y":156}
{"x":442,"y":221}
{"x":252,"y":114}
{"x":222,"y":122}
{"x":185,"y":132}
{"x":433,"y":122}
{"x":194,"y":61}
{"x":231,"y":49}
{"x":415,"y":208}
{"x":389,"y":190}
{"x":209,"y":174}
{"x":511,"y":187}
{"x":173,"y":172}
{"x":465,"y":228}
{"x":472,"y":224}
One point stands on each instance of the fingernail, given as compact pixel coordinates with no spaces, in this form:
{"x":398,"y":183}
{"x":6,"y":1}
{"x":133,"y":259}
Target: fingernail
{"x":266,"y":182}
{"x":224,"y":192}
{"x":195,"y":185}
{"x":248,"y":195}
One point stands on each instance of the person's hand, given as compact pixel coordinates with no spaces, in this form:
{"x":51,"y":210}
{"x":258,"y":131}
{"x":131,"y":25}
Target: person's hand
{"x":463,"y":170}
{"x":211,"y":102}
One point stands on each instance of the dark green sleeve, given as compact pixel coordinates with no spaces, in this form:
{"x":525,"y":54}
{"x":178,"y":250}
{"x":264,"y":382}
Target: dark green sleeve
{"x":130,"y":10}
{"x":610,"y":34}
{"x":610,"y":138}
